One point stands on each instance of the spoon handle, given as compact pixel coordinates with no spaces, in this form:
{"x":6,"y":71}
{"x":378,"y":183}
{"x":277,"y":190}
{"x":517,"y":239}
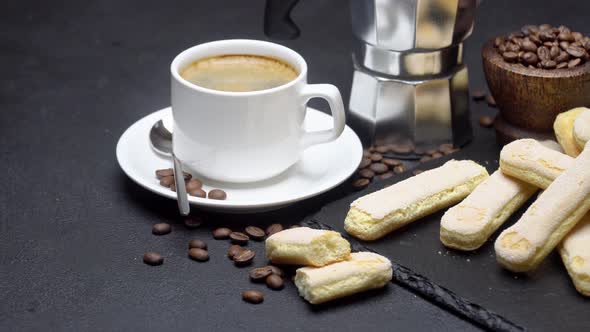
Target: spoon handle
{"x":183,"y":206}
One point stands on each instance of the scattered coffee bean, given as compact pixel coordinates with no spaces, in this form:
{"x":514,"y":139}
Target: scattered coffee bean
{"x":436,"y":155}
{"x":253,"y":296}
{"x":153,"y":258}
{"x":386,"y":175}
{"x":450,"y":151}
{"x":379,"y":168}
{"x":161,"y":229}
{"x":366,"y":154}
{"x":198,"y":254}
{"x":366,"y":173}
{"x":273,"y":281}
{"x":187,"y":176}
{"x":238,"y":238}
{"x":217,"y":194}
{"x":478,"y":95}
{"x":391,"y":162}
{"x":274,"y":228}
{"x":164,"y":173}
{"x":277,"y":271}
{"x":417,"y":171}
{"x":193,"y":184}
{"x":364,"y":163}
{"x":193,"y":221}
{"x":486,"y":121}
{"x":198,"y":193}
{"x":400,"y":148}
{"x":382,"y":149}
{"x":196,"y":243}
{"x":375,"y":157}
{"x":430,"y":152}
{"x":425,"y":159}
{"x":255,"y":233}
{"x":167,"y":181}
{"x":399,"y":169}
{"x":359,"y":184}
{"x":234,"y":250}
{"x":260,"y":273}
{"x":221,"y":233}
{"x":446,"y":147}
{"x":244,"y":257}
{"x":491,"y":101}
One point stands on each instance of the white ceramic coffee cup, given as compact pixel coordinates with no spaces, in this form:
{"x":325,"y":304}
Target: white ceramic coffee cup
{"x":246,"y":136}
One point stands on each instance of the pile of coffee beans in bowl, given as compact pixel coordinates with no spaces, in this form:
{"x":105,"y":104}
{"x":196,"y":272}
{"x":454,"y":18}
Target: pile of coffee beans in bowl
{"x":544,"y":47}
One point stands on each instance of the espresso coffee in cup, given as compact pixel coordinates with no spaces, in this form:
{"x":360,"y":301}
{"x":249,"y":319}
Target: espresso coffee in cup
{"x":239,"y":72}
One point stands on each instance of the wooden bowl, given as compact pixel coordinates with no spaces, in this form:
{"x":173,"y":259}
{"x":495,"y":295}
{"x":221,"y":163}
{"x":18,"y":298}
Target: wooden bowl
{"x":530,"y":99}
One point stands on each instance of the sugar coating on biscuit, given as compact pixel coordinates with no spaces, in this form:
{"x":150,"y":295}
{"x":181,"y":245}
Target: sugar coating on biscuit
{"x":564,"y":128}
{"x":532,"y":162}
{"x":361,"y":272}
{"x":523,"y":246}
{"x":307,"y":246}
{"x":582,"y":128}
{"x":469,"y":224}
{"x":575,"y":253}
{"x":372,"y":216}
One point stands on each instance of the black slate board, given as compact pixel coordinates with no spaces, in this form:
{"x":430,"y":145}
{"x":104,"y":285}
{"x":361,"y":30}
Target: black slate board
{"x":544,"y":299}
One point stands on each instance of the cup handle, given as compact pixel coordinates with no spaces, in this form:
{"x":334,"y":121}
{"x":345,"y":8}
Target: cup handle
{"x":331,"y":94}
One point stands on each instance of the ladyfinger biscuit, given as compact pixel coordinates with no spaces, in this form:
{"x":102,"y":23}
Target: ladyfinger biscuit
{"x":372,"y":216}
{"x":306,"y":246}
{"x":361,"y":272}
{"x":532,"y":162}
{"x":582,"y":128}
{"x":564,"y":127}
{"x":525,"y":244}
{"x":469,"y":224}
{"x":575,"y":253}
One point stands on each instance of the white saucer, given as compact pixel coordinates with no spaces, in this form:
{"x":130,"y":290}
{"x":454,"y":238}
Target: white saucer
{"x":320,"y":168}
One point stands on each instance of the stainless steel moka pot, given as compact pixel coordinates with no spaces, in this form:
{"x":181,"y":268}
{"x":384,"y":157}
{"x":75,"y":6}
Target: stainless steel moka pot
{"x":410,"y":85}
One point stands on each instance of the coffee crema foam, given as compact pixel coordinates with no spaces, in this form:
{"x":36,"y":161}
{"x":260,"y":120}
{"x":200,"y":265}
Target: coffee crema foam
{"x":239,"y":73}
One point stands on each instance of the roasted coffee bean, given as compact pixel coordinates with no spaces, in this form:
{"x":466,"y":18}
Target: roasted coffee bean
{"x":573,"y":63}
{"x":446,"y":147}
{"x":431,"y":151}
{"x":153,"y":258}
{"x":365,"y":162}
{"x":528,"y":29}
{"x":167,"y":181}
{"x":491,"y":101}
{"x":437,"y":155}
{"x":562,"y":57}
{"x":187,"y":176}
{"x":417,"y":171}
{"x":386,"y":175}
{"x":382,"y":149}
{"x":575,"y":51}
{"x":577,"y":36}
{"x":554,"y":52}
{"x":516,"y":34}
{"x":196,"y":243}
{"x":161,"y":229}
{"x":512,"y":48}
{"x":478,"y":95}
{"x":399,"y":169}
{"x":391,"y":162}
{"x":244,"y":257}
{"x":193,"y":221}
{"x":549,"y":44}
{"x":366,"y":154}
{"x":450,"y":151}
{"x":273,"y":281}
{"x":194,"y":184}
{"x":535,"y":39}
{"x":378,"y":168}
{"x":587,"y":45}
{"x":253,"y":296}
{"x":198,"y":254}
{"x":561,"y":65}
{"x":276,"y":270}
{"x":549,"y":64}
{"x":400,"y":148}
{"x":425,"y":159}
{"x":217,"y":194}
{"x":260,"y":273}
{"x":566,"y":36}
{"x":359,"y":184}
{"x":239,"y":238}
{"x":198,"y":193}
{"x":274,"y":228}
{"x":486,"y":121}
{"x":221,"y":233}
{"x":510,"y":56}
{"x":164,"y":173}
{"x":529,"y":46}
{"x":543,"y":53}
{"x":234,"y":250}
{"x":545,"y":26}
{"x":498,"y":41}
{"x":375,"y":157}
{"x":546,"y":35}
{"x":366,"y":173}
{"x":502,"y":48}
{"x":564,"y":45}
{"x":255,"y":233}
